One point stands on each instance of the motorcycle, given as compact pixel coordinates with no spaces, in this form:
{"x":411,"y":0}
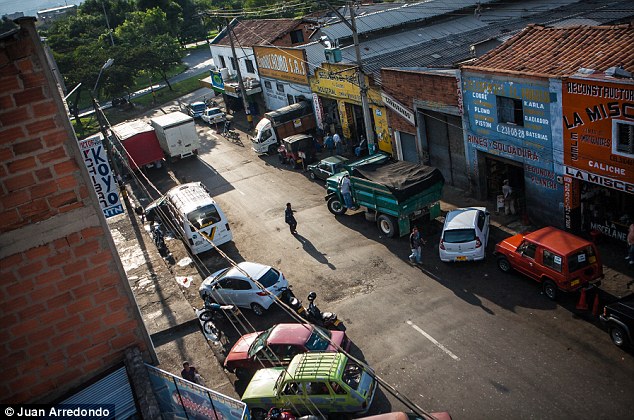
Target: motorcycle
{"x":325,"y":319}
{"x":286,"y":414}
{"x":213,"y":311}
{"x":159,"y":241}
{"x":288,"y":297}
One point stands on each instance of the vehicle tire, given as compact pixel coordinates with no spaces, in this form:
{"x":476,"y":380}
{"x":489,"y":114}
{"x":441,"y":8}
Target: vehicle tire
{"x":257,"y":309}
{"x":241,"y":373}
{"x":550,"y":289}
{"x":312,"y":175}
{"x":211,"y":331}
{"x":258,"y":414}
{"x":618,"y":335}
{"x":272,"y":149}
{"x":387,"y":225}
{"x":504,"y":264}
{"x":335,"y":206}
{"x":206,"y":315}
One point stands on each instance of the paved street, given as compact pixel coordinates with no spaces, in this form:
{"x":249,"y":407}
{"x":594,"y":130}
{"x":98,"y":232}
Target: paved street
{"x":463,"y":338}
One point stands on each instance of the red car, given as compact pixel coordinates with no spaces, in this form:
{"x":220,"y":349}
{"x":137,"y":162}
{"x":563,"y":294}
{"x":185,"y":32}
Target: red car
{"x":559,"y":260}
{"x":277,"y":346}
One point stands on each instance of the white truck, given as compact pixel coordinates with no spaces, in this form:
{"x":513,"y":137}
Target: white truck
{"x":281,"y":123}
{"x":176,"y":133}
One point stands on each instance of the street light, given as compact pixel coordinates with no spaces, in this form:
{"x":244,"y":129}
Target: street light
{"x":107,"y":64}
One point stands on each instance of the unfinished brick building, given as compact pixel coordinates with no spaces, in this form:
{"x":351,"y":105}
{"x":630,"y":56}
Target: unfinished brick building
{"x":67,"y":314}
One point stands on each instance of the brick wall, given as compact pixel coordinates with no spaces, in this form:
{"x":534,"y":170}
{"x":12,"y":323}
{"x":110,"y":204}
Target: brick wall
{"x":66,"y":310}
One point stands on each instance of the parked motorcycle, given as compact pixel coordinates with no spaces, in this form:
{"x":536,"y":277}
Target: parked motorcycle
{"x":288,"y":297}
{"x":325,"y":319}
{"x":159,"y":240}
{"x":213,"y":312}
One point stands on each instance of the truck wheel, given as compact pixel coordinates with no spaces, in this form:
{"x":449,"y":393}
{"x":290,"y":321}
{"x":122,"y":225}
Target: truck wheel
{"x":335,"y":206}
{"x":550,"y":290}
{"x":618,"y":335}
{"x":387,"y":225}
{"x":504,"y":264}
{"x":312,"y":176}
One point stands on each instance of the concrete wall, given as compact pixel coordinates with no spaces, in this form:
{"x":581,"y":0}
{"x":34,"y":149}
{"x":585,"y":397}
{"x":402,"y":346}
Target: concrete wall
{"x":66,"y":312}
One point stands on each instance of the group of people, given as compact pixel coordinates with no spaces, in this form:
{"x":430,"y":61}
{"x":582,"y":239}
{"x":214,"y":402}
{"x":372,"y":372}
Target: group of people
{"x":333,"y":143}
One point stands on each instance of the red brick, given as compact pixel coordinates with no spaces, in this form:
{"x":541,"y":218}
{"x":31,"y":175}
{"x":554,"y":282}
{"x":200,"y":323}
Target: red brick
{"x":36,"y":209}
{"x":18,"y":343}
{"x":83,"y":192}
{"x":87,"y":328}
{"x":81,"y":305}
{"x":118,"y":304}
{"x":64,"y":339}
{"x":32,"y":311}
{"x":104,"y":336}
{"x":62,"y":199}
{"x":25,"y":66}
{"x":59,"y":300}
{"x":86,"y":289}
{"x":78,"y":346}
{"x":70,"y":207}
{"x":98,"y":351}
{"x":65,"y":167}
{"x":116,"y":318}
{"x":43,"y":174}
{"x":21,"y":165}
{"x":15,"y":304}
{"x":75,"y":267}
{"x":38,"y":252}
{"x":106,"y":296}
{"x":7,"y":320}
{"x":9,"y":220}
{"x":41,"y":126}
{"x":58,"y":258}
{"x":55,"y":154}
{"x":29,"y":96}
{"x":56,"y":355}
{"x":53,"y":370}
{"x":44,"y":109}
{"x":66,"y":183}
{"x":24,"y":286}
{"x":51,"y":275}
{"x":73,"y":239}
{"x":6,"y":154}
{"x":122,"y":342}
{"x":61,"y":244}
{"x":72,"y":281}
{"x":23,"y":327}
{"x":102,"y":256}
{"x":20,"y":181}
{"x":92,"y":232}
{"x":30,"y":269}
{"x":98,"y":272}
{"x":12,"y":260}
{"x":89,"y":247}
{"x":33,"y":79}
{"x":43,"y":293}
{"x":44,"y":189}
{"x":28,"y":146}
{"x":94,"y":314}
{"x":8,"y":84}
{"x":15,"y":199}
{"x":11,"y":135}
{"x":56,"y":138}
{"x":110,"y":280}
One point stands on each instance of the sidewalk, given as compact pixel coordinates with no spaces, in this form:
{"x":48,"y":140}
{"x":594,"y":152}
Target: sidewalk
{"x":168,"y":314}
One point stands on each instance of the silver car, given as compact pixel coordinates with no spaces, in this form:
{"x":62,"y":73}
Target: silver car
{"x":465,"y":235}
{"x":232,"y":287}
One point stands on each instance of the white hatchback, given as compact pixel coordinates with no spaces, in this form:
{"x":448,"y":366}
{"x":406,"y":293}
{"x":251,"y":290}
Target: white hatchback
{"x":465,"y":235}
{"x":232,"y":287}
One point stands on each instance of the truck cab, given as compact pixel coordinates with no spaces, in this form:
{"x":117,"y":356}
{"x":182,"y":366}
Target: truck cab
{"x":284,"y":122}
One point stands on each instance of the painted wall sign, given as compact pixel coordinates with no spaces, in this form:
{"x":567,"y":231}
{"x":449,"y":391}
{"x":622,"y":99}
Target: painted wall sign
{"x":216,"y":80}
{"x":94,"y":154}
{"x":319,"y":112}
{"x":398,"y":107}
{"x":597,"y":117}
{"x":600,"y":180}
{"x":282,"y":63}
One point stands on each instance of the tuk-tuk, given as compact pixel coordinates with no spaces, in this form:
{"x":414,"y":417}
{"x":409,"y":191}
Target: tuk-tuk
{"x":298,"y":150}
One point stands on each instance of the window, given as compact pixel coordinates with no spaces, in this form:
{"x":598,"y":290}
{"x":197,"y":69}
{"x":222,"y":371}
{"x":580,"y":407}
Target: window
{"x":527,"y":249}
{"x":267,"y":85}
{"x":297,"y":36}
{"x":581,"y":259}
{"x":317,"y":388}
{"x":269,"y":278}
{"x":249,"y":65}
{"x":481,"y":219}
{"x":458,"y":236}
{"x":510,"y":111}
{"x":233,"y":63}
{"x":222,"y":61}
{"x":624,"y":138}
{"x":280,"y":87}
{"x":290,"y":99}
{"x":552,"y":260}
{"x":241,"y":284}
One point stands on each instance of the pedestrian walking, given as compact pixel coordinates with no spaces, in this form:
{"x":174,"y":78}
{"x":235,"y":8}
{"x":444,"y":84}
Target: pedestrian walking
{"x":290,"y":219}
{"x":509,"y":202}
{"x":338,"y":144}
{"x":630,"y":244}
{"x":329,"y":143}
{"x":346,"y":191}
{"x":190,"y":373}
{"x":416,"y":242}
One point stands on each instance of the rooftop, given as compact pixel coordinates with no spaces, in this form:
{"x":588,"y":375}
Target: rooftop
{"x":248,"y":33}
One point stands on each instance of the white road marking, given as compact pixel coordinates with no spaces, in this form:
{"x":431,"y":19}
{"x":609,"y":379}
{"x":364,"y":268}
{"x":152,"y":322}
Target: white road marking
{"x":433,"y":340}
{"x":239,"y":191}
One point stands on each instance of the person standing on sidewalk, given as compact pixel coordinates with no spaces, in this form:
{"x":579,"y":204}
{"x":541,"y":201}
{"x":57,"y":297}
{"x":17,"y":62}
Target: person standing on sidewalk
{"x":190,"y":373}
{"x":509,"y":202}
{"x":290,"y":219}
{"x":415,"y":243}
{"x":630,"y":244}
{"x":338,"y":144}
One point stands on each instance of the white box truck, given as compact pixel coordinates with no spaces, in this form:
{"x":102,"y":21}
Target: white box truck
{"x":176,"y":133}
{"x":279,"y":124}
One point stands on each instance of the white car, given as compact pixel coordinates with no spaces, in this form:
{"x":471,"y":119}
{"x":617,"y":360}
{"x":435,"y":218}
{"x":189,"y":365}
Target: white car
{"x":231,"y":287}
{"x":465,"y":235}
{"x":213,"y":116}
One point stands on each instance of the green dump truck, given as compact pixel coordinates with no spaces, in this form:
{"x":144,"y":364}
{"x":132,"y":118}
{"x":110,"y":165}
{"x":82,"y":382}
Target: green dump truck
{"x":392,"y":193}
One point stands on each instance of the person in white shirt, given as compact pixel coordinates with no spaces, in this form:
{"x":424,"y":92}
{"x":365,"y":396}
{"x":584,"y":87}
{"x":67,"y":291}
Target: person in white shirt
{"x":346,"y":191}
{"x":338,"y":144}
{"x":509,"y":202}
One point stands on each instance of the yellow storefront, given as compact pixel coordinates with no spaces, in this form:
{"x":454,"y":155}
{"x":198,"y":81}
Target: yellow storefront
{"x":338,"y":82}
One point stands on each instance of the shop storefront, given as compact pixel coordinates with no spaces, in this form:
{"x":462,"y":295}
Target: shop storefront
{"x":339,"y":99}
{"x":283,"y":75}
{"x":508,"y":137}
{"x":230,"y":91}
{"x":598,"y":143}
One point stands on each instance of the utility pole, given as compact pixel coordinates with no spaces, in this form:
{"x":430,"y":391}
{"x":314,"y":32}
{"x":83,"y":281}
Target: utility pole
{"x":243,"y":91}
{"x":367,"y":120}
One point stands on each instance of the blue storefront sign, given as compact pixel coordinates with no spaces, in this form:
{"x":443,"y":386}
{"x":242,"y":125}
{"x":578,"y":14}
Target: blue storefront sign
{"x":217,"y":83}
{"x":511,"y":119}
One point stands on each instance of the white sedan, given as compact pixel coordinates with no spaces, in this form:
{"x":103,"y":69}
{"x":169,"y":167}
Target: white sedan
{"x":465,"y":235}
{"x":213,"y":116}
{"x":232,"y":287}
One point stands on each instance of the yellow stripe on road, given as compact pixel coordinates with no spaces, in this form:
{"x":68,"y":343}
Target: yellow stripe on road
{"x":433,"y":340}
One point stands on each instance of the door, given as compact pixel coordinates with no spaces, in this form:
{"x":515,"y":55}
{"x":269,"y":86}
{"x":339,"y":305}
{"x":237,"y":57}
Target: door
{"x":224,"y":293}
{"x":525,"y":259}
{"x":408,"y":147}
{"x":243,"y":293}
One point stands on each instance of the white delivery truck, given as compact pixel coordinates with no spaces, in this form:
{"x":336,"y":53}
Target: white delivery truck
{"x":176,"y":133}
{"x":281,"y":123}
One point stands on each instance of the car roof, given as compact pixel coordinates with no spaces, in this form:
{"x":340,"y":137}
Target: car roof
{"x":254,"y":270}
{"x":290,"y":334}
{"x":316,"y":365}
{"x":557,"y":239}
{"x":464,"y":218}
{"x":334,"y":159}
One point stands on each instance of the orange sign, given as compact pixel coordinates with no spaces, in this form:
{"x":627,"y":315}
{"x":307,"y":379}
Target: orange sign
{"x":282,"y":63}
{"x":598,"y":122}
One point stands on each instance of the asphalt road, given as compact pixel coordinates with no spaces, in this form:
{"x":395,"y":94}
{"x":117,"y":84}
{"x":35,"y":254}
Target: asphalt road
{"x":464,"y":338}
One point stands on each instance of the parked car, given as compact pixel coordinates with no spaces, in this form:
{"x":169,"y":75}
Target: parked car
{"x":279,"y":344}
{"x":327,"y":167}
{"x":465,"y":235}
{"x":619,"y":318}
{"x":213,"y":116}
{"x":327,"y":382}
{"x":559,"y":260}
{"x":231,"y":287}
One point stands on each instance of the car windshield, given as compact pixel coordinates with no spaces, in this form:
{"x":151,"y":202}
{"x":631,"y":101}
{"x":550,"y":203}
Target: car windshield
{"x":459,"y":235}
{"x":198,"y":107}
{"x":260,"y":342}
{"x":269,"y":278}
{"x":221,"y":274}
{"x":317,"y":340}
{"x":204,"y":216}
{"x":581,"y":259}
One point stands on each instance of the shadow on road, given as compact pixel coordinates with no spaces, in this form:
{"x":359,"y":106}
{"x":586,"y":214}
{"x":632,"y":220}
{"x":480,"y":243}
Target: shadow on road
{"x":308,"y":246}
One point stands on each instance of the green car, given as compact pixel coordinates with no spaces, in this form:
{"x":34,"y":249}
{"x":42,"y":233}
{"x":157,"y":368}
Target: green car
{"x":327,"y":167}
{"x":314,"y":383}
